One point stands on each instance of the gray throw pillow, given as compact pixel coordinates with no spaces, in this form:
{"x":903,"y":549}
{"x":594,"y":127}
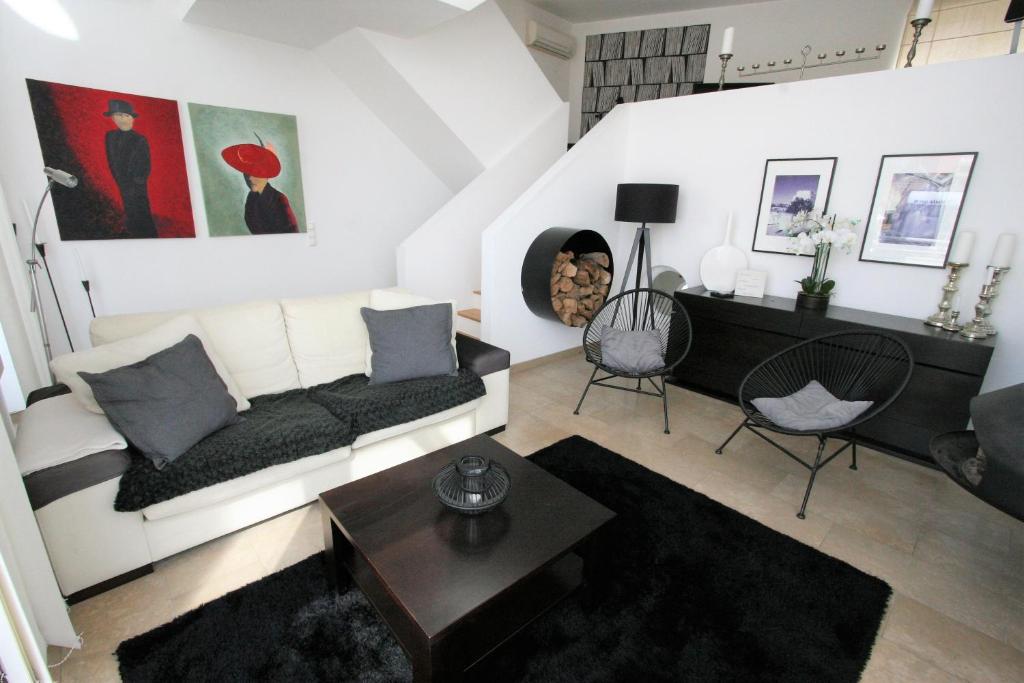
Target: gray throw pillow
{"x":634,"y":352}
{"x":408,"y":343}
{"x":167,"y":403}
{"x":812,"y":408}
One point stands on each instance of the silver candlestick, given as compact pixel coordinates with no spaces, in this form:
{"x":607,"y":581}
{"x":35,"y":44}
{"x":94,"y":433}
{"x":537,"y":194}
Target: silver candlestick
{"x":918,"y":25}
{"x":949,"y":290}
{"x":997,"y":277}
{"x":725,"y":57}
{"x":976,"y":328}
{"x":980,"y":327}
{"x":953,"y":325}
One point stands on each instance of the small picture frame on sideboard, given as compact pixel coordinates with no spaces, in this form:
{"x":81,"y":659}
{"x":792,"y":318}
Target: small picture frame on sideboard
{"x":751,"y":283}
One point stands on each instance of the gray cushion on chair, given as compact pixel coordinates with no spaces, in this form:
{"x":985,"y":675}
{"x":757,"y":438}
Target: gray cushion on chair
{"x":632,"y":352}
{"x":167,"y":403}
{"x":408,"y":343}
{"x":813,"y":408}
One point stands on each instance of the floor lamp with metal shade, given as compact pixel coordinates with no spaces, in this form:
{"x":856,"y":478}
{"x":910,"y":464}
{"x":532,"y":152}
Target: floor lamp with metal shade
{"x":64,"y":179}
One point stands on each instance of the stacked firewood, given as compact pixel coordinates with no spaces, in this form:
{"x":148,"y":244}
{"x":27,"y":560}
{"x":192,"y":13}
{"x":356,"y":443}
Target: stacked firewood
{"x":579,"y":286}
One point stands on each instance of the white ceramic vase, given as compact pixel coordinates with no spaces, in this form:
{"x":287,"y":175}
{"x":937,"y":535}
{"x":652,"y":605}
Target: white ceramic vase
{"x":720,"y":264}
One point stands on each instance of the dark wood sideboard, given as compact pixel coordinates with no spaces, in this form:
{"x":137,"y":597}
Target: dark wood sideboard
{"x":731,"y":336}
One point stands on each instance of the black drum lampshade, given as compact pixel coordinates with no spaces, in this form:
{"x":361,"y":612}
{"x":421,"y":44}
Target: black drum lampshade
{"x":646,"y":203}
{"x":1015,"y":12}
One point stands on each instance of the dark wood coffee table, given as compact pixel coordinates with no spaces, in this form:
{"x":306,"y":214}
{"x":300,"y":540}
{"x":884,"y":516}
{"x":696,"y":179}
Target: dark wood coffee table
{"x":452,"y":588}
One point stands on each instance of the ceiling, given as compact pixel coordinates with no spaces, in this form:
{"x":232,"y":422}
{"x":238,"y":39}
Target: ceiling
{"x":308,"y":23}
{"x":581,"y":11}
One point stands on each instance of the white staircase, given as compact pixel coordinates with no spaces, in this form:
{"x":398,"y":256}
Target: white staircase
{"x":468,"y":319}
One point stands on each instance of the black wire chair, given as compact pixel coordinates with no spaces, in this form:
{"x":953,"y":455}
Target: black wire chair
{"x":859,"y":365}
{"x":637,"y":310}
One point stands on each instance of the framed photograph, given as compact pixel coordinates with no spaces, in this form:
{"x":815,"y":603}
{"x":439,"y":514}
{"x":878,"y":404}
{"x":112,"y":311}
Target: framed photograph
{"x":916,"y":207}
{"x":789,"y":187}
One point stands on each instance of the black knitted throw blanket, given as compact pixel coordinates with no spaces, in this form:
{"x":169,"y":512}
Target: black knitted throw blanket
{"x":284,"y":427}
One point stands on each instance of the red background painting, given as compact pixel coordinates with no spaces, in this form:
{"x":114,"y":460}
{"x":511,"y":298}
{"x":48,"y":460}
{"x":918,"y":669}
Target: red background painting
{"x":72,"y":129}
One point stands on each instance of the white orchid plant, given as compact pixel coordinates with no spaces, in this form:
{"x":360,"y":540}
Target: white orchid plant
{"x":814,"y":234}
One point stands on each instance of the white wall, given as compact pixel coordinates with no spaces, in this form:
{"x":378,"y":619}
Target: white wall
{"x":442,"y":258}
{"x":364,"y":190}
{"x":578,"y":191}
{"x":519,"y":13}
{"x":355,"y":59}
{"x":769,"y":30}
{"x":476,"y":75}
{"x":718,"y":162}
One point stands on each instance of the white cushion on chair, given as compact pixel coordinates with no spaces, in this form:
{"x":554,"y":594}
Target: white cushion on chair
{"x":813,"y":408}
{"x":632,"y":351}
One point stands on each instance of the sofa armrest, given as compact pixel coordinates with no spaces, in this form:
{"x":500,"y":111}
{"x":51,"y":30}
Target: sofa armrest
{"x":53,"y":483}
{"x":42,"y":393}
{"x":480,"y":357}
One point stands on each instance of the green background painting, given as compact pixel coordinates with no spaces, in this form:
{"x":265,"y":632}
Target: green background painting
{"x":224,"y":190}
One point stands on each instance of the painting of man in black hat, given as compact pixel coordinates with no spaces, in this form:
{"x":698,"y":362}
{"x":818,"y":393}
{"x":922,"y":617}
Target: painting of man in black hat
{"x":126,"y":151}
{"x":129,"y":162}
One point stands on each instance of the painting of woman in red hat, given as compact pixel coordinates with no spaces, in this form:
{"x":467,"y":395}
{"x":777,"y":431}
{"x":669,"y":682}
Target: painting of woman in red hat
{"x":267,"y":209}
{"x":249,"y":170}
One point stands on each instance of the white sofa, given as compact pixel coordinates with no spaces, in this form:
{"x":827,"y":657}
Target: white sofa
{"x":268,"y":347}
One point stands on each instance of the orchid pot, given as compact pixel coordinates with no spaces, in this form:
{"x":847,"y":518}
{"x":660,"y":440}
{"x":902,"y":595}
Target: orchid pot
{"x":815,"y":234}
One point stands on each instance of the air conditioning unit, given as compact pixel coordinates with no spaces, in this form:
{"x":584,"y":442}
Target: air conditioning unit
{"x":550,"y":40}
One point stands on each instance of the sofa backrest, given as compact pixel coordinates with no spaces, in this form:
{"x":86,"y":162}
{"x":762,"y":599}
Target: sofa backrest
{"x":250,"y":338}
{"x":273,"y":346}
{"x":327,"y":336}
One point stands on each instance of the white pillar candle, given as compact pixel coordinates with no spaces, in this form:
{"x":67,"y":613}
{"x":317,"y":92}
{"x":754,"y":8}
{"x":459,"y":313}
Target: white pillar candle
{"x":924,"y":9}
{"x":1002,"y":255}
{"x":727,"y":38}
{"x":961,"y":251}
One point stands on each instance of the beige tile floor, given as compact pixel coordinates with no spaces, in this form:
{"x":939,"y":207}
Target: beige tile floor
{"x":956,"y":565}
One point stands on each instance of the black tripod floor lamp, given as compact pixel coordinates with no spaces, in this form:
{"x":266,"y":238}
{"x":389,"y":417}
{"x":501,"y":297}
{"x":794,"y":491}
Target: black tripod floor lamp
{"x":644,"y":203}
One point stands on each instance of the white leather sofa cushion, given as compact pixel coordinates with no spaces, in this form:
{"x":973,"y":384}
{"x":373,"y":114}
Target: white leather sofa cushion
{"x":59,"y":430}
{"x":111,"y":328}
{"x":253,"y":342}
{"x":393,"y":299}
{"x":269,"y":476}
{"x":327,"y":336}
{"x":250,"y":337}
{"x":395,"y":430}
{"x":132,"y":349}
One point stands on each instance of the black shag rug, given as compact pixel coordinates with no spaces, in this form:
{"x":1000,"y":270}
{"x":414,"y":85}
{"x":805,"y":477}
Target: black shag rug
{"x":689,"y":590}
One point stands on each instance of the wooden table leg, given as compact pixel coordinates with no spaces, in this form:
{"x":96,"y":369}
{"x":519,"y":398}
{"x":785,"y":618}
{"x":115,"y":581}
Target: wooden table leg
{"x":435,"y":664}
{"x":334,"y":542}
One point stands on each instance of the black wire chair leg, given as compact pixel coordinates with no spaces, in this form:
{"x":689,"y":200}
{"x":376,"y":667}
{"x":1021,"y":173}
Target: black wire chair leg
{"x":853,"y":443}
{"x":734,"y":433}
{"x":585,"y":390}
{"x":664,"y":402}
{"x":814,"y":472}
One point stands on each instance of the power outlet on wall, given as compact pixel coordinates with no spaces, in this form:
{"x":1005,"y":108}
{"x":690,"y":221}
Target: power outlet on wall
{"x":311,"y":234}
